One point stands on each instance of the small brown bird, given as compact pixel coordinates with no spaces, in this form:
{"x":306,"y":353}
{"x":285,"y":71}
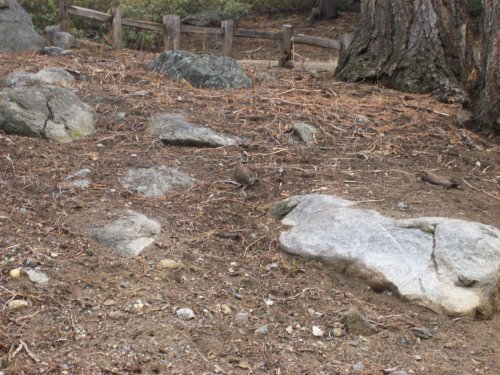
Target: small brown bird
{"x":243,"y":175}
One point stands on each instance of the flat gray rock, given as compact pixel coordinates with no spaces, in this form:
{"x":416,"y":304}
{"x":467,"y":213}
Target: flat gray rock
{"x":156,"y":181}
{"x":49,"y":75}
{"x":64,"y":40}
{"x":174,"y":129}
{"x":45,"y":111}
{"x":129,"y":235}
{"x":202,"y":70}
{"x":80,"y":179}
{"x":448,"y":265}
{"x":16,"y":29}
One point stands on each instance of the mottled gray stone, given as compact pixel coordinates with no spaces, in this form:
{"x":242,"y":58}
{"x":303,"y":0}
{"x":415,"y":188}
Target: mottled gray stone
{"x":448,"y":265}
{"x":49,"y":75}
{"x":16,"y":29}
{"x":305,"y":132}
{"x":64,"y":40}
{"x":202,"y":70}
{"x":46,"y":111}
{"x":129,"y":235}
{"x":174,"y":129}
{"x":156,"y":181}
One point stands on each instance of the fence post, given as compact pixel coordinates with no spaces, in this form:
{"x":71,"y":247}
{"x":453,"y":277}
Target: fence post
{"x":116,"y":28}
{"x":172,"y":32}
{"x":64,"y":20}
{"x":227,"y":43}
{"x":286,"y":45}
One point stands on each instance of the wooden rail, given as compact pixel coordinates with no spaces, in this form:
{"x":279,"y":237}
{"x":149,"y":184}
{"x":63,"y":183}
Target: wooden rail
{"x":171,"y":29}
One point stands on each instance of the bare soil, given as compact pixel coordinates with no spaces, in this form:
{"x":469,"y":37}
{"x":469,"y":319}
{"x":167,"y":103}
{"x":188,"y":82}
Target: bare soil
{"x":88,"y":319}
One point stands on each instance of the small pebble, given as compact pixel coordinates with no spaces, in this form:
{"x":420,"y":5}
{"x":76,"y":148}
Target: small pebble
{"x":17,"y":304}
{"x":31,"y":263}
{"x":226,"y":310}
{"x":318,"y":332}
{"x":358,"y":367}
{"x":241,"y":317}
{"x":264,"y":330}
{"x":337,"y":332}
{"x":37,"y":277}
{"x":15,"y":273}
{"x":289,"y":330}
{"x":269,"y":303}
{"x":169,"y":264}
{"x":185,"y":313}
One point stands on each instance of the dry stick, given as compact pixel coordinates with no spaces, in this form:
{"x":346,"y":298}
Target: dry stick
{"x":425,"y":109}
{"x":480,"y":190}
{"x":30,"y":353}
{"x":253,"y":243}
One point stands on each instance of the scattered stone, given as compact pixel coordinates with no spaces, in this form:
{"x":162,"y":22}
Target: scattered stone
{"x":305,"y":132}
{"x":141,"y":93}
{"x":16,"y":29}
{"x":174,"y":129}
{"x":185,"y":313}
{"x":358,"y":367}
{"x":264,"y":330}
{"x":447,"y":265}
{"x":109,"y":302}
{"x":50,"y":30}
{"x":422,"y":332}
{"x":139,"y":305}
{"x":79,"y":179}
{"x":46,"y":111}
{"x":50,"y":76}
{"x":272,"y":266}
{"x":31,"y":263}
{"x":241,"y":317}
{"x":64,"y":40}
{"x":202,"y":70}
{"x":115,"y":315}
{"x":127,"y":236}
{"x":15,"y":273}
{"x":357,"y":324}
{"x":464,"y":117}
{"x":289,"y":330}
{"x":38,"y":277}
{"x":168,"y":264}
{"x":363,"y":120}
{"x":156,"y":181}
{"x":17,"y":304}
{"x":337,"y":332}
{"x":226,"y":310}
{"x":317,"y":332}
{"x":403,"y":205}
{"x":54,"y":51}
{"x":263,"y":77}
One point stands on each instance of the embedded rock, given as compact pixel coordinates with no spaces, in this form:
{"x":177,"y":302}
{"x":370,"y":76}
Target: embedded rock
{"x":448,"y":265}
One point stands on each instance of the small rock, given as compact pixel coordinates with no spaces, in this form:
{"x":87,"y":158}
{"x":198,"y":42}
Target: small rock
{"x":272,"y":266}
{"x":37,"y":277}
{"x":226,"y":310}
{"x":357,"y":324}
{"x":115,"y":315}
{"x":310,"y":311}
{"x":269,"y":302}
{"x":31,"y":263}
{"x":317,"y":332}
{"x":64,"y":40}
{"x":289,"y":330}
{"x":363,"y":120}
{"x":17,"y":304}
{"x":305,"y":132}
{"x":185,"y":313}
{"x":15,"y":273}
{"x":109,"y":302}
{"x":403,"y":205}
{"x":54,"y":51}
{"x":337,"y":332}
{"x":168,"y":264}
{"x":422,"y":332}
{"x":358,"y":367}
{"x":207,"y":314}
{"x":264,"y":330}
{"x":418,"y":357}
{"x":139,"y":305}
{"x":141,"y":93}
{"x":241,"y":317}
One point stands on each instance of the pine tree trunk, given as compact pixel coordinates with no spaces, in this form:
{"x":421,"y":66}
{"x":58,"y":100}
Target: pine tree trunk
{"x":487,"y":106}
{"x":410,"y":45}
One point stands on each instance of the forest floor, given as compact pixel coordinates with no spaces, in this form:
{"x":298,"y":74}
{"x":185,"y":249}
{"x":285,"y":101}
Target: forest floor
{"x":100,"y":314}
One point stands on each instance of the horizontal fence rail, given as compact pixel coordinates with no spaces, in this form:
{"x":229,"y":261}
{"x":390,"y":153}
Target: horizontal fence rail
{"x":172,"y":29}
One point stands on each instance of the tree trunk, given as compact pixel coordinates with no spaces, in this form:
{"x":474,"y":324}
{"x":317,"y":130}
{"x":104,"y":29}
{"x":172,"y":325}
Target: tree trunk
{"x":324,"y":9}
{"x":487,"y":105}
{"x":410,"y":45}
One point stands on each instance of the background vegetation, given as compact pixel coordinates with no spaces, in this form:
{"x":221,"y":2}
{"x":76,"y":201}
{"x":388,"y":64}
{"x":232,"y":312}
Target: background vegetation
{"x":45,"y":12}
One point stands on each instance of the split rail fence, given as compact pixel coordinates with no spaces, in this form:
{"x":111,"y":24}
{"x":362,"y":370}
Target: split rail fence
{"x":171,"y":28}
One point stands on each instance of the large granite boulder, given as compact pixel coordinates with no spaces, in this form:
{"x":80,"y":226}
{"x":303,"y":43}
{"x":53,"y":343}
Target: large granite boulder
{"x":448,"y":265}
{"x":46,"y":111}
{"x":16,"y":29}
{"x":202,"y":70}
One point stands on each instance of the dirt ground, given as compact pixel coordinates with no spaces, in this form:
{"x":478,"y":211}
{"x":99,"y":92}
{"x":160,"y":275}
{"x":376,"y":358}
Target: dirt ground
{"x":100,"y":314}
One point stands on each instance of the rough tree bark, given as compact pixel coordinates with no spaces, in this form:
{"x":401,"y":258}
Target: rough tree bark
{"x":410,"y":45}
{"x":324,"y":9}
{"x":487,"y":105}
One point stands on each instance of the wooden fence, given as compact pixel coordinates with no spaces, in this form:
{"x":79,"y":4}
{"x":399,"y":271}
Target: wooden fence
{"x":172,"y":29}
